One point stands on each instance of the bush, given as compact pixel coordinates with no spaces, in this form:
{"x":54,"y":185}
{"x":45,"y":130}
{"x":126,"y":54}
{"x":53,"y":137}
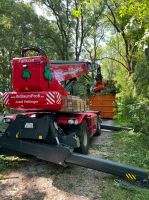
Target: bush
{"x":135,"y":112}
{"x":133,"y":100}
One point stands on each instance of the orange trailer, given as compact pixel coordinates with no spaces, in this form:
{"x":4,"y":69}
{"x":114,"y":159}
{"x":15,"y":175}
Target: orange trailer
{"x":104,"y":103}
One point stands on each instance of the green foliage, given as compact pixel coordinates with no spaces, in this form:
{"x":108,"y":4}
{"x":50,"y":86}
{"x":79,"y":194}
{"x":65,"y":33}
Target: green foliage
{"x":24,"y":28}
{"x":80,"y":88}
{"x":9,"y":162}
{"x":113,"y":191}
{"x":15,"y":31}
{"x":132,"y":101}
{"x":75,"y":21}
{"x":135,"y":112}
{"x":129,"y":29}
{"x":141,"y":77}
{"x":129,"y":148}
{"x":133,"y":148}
{"x":1,"y":106}
{"x":139,"y":9}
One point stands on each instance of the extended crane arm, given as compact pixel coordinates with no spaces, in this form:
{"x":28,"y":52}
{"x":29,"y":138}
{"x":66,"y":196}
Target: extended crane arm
{"x":63,"y":70}
{"x":67,"y":70}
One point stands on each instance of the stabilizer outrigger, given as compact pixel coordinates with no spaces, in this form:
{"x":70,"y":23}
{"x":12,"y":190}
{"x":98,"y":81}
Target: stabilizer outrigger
{"x":64,"y":155}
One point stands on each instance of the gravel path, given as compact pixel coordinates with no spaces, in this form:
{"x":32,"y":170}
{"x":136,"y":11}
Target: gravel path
{"x":39,"y":180}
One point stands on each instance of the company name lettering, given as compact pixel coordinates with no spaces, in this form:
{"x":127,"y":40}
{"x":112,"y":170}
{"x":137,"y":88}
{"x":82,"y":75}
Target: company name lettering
{"x":29,"y":96}
{"x":26,"y":102}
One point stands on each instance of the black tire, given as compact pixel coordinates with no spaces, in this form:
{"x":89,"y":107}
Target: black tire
{"x":83,"y":135}
{"x":98,"y":131}
{"x":52,"y":133}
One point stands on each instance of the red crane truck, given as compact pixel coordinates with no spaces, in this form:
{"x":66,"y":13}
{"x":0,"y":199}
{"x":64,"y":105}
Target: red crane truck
{"x":44,"y":130}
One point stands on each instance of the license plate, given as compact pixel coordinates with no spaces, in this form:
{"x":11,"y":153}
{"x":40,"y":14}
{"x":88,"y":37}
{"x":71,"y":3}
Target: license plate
{"x":29,"y":125}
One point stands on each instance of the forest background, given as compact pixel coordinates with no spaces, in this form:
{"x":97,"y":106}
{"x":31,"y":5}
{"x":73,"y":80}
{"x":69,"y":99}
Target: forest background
{"x":113,"y":33}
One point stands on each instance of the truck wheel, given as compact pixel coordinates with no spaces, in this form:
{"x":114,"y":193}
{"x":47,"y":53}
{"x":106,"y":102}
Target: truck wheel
{"x":98,"y":131}
{"x":83,"y":135}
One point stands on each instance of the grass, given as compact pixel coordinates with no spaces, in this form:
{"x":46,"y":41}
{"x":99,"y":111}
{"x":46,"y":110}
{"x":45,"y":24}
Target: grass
{"x":113,"y":191}
{"x":7,"y":161}
{"x":129,"y":148}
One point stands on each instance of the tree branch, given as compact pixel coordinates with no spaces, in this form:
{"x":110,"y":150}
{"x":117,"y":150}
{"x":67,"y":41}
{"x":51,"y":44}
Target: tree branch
{"x":114,"y":22}
{"x":106,"y":57}
{"x":118,"y":49}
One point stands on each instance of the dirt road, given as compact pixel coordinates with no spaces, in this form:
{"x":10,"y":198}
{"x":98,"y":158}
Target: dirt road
{"x":36,"y":179}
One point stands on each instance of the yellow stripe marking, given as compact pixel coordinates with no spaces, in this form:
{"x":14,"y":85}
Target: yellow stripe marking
{"x":127,"y":176}
{"x":131,"y":176}
{"x":134,"y":177}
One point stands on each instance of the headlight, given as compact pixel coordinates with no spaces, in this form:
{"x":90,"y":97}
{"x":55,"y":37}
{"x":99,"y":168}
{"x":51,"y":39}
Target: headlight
{"x":70,"y":121}
{"x":73,"y":121}
{"x":76,"y":122}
